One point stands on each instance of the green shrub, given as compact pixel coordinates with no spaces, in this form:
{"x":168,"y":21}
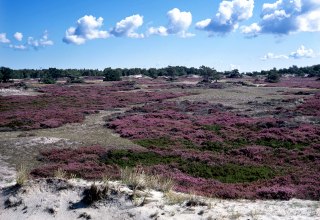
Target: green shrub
{"x":48,"y":80}
{"x":215,"y":128}
{"x":228,"y":173}
{"x":280,"y":144}
{"x":214,"y":146}
{"x":125,"y":158}
{"x":162,"y":142}
{"x":273,"y":77}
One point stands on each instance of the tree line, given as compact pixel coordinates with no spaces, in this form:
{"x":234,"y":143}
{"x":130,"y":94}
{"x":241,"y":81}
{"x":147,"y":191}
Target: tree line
{"x":110,"y":74}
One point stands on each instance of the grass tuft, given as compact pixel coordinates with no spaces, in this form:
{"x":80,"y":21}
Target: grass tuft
{"x":22,"y":175}
{"x":136,"y":178}
{"x":60,"y":174}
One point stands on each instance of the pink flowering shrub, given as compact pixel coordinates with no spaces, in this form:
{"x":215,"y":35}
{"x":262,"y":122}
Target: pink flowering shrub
{"x":68,"y":104}
{"x":201,"y":123}
{"x":311,"y":106}
{"x":83,"y":162}
{"x":219,"y":144}
{"x":276,"y":192}
{"x":295,"y":82}
{"x":94,"y":162}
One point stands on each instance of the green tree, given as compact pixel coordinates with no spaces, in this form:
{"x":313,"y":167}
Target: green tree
{"x":234,"y":74}
{"x":273,"y":76}
{"x":5,"y":74}
{"x":112,"y":74}
{"x":209,"y":74}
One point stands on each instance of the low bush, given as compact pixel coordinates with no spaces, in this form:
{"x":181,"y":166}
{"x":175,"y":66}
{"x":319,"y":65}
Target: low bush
{"x":276,"y":192}
{"x":228,"y":173}
{"x":162,"y":142}
{"x":125,"y":158}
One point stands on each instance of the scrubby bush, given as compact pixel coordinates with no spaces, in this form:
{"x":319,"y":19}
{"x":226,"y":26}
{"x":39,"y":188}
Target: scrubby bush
{"x":111,"y":74}
{"x":276,"y":192}
{"x":48,"y":80}
{"x":273,"y":77}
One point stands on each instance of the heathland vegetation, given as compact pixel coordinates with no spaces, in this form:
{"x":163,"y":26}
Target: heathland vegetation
{"x":263,"y":148}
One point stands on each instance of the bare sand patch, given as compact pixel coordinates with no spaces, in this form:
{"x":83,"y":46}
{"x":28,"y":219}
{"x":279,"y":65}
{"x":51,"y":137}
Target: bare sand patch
{"x":60,"y":199}
{"x":11,"y":92}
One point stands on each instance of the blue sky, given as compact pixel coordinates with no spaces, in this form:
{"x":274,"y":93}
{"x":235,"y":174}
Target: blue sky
{"x":244,"y":34}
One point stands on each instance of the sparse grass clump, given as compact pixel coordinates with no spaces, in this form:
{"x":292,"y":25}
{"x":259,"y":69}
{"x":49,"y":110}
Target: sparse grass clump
{"x":22,"y":175}
{"x":137,"y":178}
{"x":94,"y":194}
{"x":133,"y":177}
{"x":60,"y":174}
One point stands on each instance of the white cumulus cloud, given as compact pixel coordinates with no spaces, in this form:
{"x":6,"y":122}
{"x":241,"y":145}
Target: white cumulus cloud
{"x":252,"y":30}
{"x":179,"y":23}
{"x":18,"y":36}
{"x":287,"y":16}
{"x":34,"y":43}
{"x":18,"y":47}
{"x":228,"y":17}
{"x":3,"y":38}
{"x":161,"y":31}
{"x":301,"y":52}
{"x":87,"y":28}
{"x":40,"y":43}
{"x":128,"y":26}
{"x":269,"y":56}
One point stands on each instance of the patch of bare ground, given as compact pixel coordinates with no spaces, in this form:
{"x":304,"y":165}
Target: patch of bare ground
{"x":62,"y":199}
{"x":15,"y":91}
{"x":254,"y":101}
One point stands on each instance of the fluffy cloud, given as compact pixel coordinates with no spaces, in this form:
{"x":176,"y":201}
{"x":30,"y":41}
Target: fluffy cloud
{"x":40,"y":43}
{"x":18,"y":36}
{"x":3,"y":38}
{"x":87,"y":28}
{"x":228,"y":17}
{"x":252,"y":30}
{"x":161,"y":31}
{"x":287,"y":16}
{"x":179,"y":23}
{"x":18,"y":47}
{"x":302,"y":52}
{"x":128,"y":26}
{"x":34,"y":43}
{"x":269,"y":56}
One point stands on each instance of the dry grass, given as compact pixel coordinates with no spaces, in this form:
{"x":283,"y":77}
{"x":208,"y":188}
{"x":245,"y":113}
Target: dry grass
{"x":173,"y":198}
{"x":60,"y":174}
{"x":22,"y":175}
{"x":189,"y":199}
{"x":136,"y":178}
{"x":160,"y":183}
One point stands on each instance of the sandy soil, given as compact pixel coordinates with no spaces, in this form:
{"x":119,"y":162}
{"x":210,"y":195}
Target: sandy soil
{"x":60,"y":199}
{"x":11,"y":91}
